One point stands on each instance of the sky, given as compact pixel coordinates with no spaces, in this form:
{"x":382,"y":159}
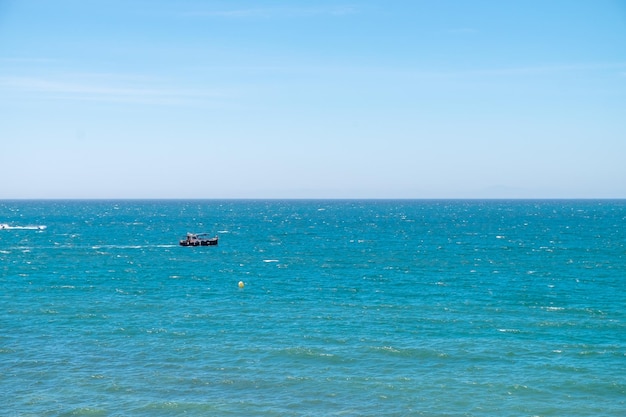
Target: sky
{"x":312,"y":99}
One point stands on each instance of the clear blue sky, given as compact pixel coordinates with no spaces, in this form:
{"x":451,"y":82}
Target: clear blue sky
{"x":312,"y":99}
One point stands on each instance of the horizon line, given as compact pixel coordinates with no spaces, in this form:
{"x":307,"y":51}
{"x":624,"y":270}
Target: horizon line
{"x":312,"y":199}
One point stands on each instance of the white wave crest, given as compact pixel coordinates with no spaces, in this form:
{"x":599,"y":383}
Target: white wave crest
{"x":4,"y":226}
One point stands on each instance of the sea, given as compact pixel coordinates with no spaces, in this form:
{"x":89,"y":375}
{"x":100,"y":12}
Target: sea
{"x":313,"y":308}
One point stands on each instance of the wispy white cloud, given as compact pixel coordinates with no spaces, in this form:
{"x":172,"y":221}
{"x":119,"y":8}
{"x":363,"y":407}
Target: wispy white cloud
{"x":120,"y":88}
{"x":106,"y":88}
{"x":26,"y":60}
{"x":275,"y":12}
{"x":443,"y":72}
{"x":477,"y":72}
{"x":551,"y":69}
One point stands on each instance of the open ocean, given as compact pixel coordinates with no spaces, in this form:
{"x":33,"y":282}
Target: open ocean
{"x":350,"y":308}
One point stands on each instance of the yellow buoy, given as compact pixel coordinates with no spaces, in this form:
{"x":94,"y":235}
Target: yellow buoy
{"x":241,"y":284}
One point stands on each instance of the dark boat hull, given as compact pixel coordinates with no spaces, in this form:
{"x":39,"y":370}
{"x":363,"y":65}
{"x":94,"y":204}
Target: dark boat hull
{"x":199,"y":242}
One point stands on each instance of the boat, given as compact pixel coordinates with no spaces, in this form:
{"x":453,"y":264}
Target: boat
{"x":198,"y":239}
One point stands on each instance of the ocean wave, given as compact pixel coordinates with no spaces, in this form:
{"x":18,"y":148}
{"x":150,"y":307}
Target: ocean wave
{"x":98,"y":247}
{"x":4,"y":226}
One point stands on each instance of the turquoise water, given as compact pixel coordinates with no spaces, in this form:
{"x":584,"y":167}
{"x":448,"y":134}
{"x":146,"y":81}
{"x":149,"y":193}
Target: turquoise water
{"x":355,"y":308}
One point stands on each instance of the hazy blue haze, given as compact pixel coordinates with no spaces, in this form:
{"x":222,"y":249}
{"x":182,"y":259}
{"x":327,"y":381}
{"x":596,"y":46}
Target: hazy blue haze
{"x":380,"y":308}
{"x":312,"y":99}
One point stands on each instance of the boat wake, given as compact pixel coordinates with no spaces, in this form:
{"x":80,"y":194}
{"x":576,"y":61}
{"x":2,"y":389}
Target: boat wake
{"x":4,"y":226}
